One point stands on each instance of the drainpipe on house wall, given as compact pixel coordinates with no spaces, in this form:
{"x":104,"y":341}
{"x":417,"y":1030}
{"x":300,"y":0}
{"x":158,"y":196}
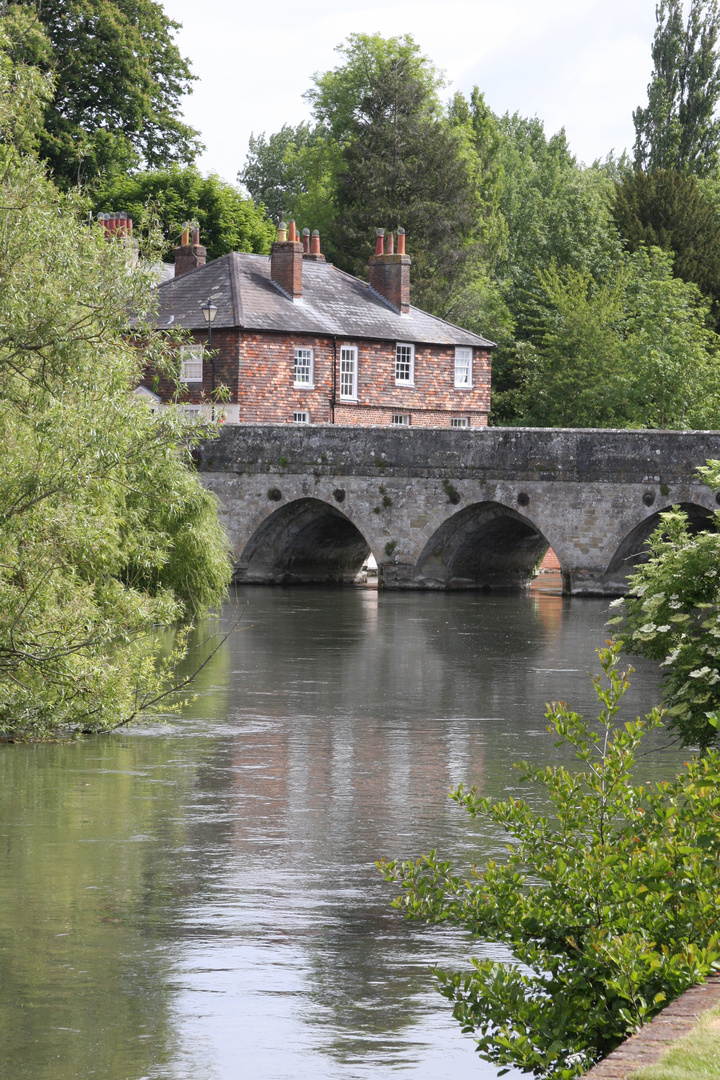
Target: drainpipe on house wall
{"x":334,"y":381}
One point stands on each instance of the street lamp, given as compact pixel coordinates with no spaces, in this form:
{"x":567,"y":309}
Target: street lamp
{"x":209,"y":312}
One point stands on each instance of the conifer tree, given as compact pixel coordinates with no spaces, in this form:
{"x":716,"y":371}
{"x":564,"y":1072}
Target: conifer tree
{"x":678,"y":129}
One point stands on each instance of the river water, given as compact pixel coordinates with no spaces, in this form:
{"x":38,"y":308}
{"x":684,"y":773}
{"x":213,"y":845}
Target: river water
{"x":197,"y":900}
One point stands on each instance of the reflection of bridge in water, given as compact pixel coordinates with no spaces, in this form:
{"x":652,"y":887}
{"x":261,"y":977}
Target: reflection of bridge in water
{"x":446,"y":509}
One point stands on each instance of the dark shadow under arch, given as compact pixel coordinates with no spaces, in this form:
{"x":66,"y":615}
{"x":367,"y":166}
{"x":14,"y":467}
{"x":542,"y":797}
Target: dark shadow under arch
{"x":485,"y":546}
{"x":634,"y":548}
{"x":307,"y":541}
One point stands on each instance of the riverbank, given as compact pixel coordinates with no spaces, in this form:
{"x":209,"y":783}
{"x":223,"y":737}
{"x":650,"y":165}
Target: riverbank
{"x":663,"y":1049}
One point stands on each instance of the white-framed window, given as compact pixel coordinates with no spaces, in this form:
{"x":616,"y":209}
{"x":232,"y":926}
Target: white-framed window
{"x":191,"y":359}
{"x":192,"y":411}
{"x":348,"y":373}
{"x":405,"y":364}
{"x":301,"y":418}
{"x":463,"y":368}
{"x":304,"y":367}
{"x":401,"y":418}
{"x":459,"y":421}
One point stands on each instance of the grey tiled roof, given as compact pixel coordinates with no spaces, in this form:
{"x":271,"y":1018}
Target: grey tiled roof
{"x":332,"y":303}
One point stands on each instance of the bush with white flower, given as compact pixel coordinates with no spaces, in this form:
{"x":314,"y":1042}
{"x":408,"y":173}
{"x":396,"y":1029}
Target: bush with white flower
{"x":672,"y":614}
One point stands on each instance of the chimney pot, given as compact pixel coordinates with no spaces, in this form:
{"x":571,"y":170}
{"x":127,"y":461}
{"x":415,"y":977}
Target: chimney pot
{"x":196,"y":236}
{"x":391,"y":244}
{"x":306,"y":241}
{"x":314,"y":254}
{"x":401,"y":240}
{"x":292,"y":234}
{"x":185,"y":238}
{"x":282,"y":233}
{"x":379,"y":241}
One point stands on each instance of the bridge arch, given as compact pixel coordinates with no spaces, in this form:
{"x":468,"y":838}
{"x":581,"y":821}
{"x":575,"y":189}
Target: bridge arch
{"x":305,"y":541}
{"x":487,"y":545}
{"x":634,"y":550}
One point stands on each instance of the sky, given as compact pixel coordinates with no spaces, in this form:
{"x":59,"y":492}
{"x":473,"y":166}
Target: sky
{"x":579,"y":64}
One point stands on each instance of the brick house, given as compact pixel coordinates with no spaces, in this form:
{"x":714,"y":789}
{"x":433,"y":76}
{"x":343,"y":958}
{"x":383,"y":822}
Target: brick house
{"x":297,"y":340}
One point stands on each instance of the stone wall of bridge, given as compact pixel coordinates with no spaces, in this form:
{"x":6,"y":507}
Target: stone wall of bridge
{"x":450,"y":509}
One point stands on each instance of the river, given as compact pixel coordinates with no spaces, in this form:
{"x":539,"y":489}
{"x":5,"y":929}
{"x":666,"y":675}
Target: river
{"x":197,"y":899}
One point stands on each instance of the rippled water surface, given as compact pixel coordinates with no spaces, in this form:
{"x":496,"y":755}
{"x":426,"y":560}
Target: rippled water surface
{"x":198,"y":900}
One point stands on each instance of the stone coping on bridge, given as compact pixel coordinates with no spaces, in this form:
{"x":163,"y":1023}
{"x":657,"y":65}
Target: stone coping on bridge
{"x":649,"y":1044}
{"x":590,"y":455}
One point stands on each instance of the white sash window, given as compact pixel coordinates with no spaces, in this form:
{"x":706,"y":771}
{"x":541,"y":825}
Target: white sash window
{"x":191,"y":359}
{"x":405,"y":365}
{"x":463,"y":368}
{"x":304,"y":367}
{"x":348,"y":373}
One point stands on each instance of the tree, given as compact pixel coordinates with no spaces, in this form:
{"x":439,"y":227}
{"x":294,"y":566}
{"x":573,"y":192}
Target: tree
{"x":281,"y":172}
{"x":549,"y":212}
{"x":635,"y":352}
{"x":672,"y":614}
{"x":401,"y":162}
{"x":118,"y":82}
{"x":381,"y":152}
{"x":169,"y":198}
{"x":105,"y":531}
{"x":670,"y":210}
{"x":678,"y":129}
{"x":609,"y":900}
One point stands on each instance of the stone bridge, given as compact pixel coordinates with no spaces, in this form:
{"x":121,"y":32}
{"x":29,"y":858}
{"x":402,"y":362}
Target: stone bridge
{"x":450,"y":509}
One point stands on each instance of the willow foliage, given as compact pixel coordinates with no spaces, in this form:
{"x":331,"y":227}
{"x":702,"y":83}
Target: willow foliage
{"x":105,"y":532}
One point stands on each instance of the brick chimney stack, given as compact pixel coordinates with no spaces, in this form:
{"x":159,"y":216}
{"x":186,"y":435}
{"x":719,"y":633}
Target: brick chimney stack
{"x":286,"y":256}
{"x":189,"y":255}
{"x":390,"y":274}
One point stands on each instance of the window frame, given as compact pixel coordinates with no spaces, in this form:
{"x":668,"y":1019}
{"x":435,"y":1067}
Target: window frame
{"x":460,"y":423}
{"x":310,"y":383}
{"x":459,"y":349}
{"x":353,"y":395}
{"x":191,"y":353}
{"x":301,"y":412}
{"x":400,"y":420}
{"x":411,"y":380}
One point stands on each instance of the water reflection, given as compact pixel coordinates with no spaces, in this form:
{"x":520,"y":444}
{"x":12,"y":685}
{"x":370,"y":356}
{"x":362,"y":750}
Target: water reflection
{"x":199,"y":899}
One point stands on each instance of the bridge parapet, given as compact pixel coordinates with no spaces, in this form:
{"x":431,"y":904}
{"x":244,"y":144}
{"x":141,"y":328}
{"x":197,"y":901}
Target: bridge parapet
{"x":450,"y":508}
{"x":578,"y":455}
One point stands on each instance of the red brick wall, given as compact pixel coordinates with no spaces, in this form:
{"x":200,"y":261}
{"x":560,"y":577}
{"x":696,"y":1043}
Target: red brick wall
{"x":258,"y":368}
{"x":225,"y":347}
{"x":266,"y":393}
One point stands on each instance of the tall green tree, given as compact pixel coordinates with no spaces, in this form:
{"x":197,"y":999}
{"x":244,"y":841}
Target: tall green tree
{"x":119,"y":79}
{"x":633,"y":351}
{"x":105,"y":531}
{"x":550,"y":212}
{"x":293,"y":174}
{"x":401,"y":160}
{"x":168,"y":198}
{"x":678,"y":129}
{"x":671,"y":210}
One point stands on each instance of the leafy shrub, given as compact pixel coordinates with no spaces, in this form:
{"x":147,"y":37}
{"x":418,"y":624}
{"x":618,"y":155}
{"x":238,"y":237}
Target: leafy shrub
{"x":609,"y":902}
